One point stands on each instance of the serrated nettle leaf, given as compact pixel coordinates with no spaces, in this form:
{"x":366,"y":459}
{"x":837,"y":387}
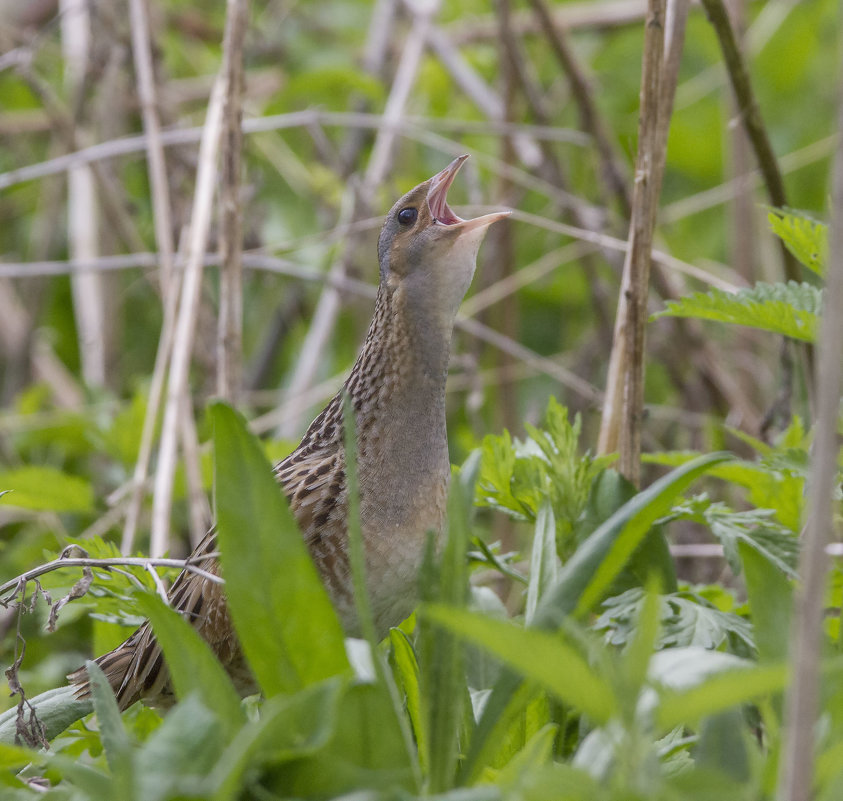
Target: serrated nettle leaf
{"x":686,"y":619}
{"x":45,"y":489}
{"x":289,"y":630}
{"x":803,"y":236}
{"x":790,"y":309}
{"x":756,"y":527}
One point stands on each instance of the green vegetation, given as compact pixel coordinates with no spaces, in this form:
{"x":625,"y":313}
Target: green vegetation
{"x":561,"y":650}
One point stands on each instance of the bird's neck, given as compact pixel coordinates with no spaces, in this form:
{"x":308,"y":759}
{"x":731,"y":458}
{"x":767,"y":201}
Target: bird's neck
{"x":398,"y":386}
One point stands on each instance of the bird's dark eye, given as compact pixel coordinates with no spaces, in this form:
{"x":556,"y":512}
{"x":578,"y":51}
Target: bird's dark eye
{"x":408,"y":216}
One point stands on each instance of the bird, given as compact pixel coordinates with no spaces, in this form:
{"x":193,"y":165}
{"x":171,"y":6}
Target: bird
{"x":427,"y":258}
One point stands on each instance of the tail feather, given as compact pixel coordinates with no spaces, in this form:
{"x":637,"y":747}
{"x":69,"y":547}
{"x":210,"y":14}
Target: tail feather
{"x":135,"y":669}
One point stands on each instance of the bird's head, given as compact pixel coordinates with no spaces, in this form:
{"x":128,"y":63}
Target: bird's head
{"x":427,"y":253}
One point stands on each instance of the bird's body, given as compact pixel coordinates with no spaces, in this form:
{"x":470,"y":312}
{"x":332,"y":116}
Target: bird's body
{"x":397,"y":387}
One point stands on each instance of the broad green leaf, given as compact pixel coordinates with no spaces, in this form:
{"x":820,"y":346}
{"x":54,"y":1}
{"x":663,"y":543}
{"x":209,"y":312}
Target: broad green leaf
{"x":789,"y":309}
{"x":605,"y":553}
{"x":561,"y":600}
{"x":366,"y":750}
{"x":541,"y":656}
{"x":289,"y":727}
{"x":723,"y":746}
{"x":180,"y":754}
{"x":287,"y":626}
{"x":803,"y":236}
{"x":698,"y":683}
{"x":192,"y":665}
{"x":15,"y":756}
{"x":56,"y":709}
{"x":519,"y":710}
{"x":115,"y":740}
{"x":45,"y":489}
{"x":770,"y":597}
{"x":535,"y":754}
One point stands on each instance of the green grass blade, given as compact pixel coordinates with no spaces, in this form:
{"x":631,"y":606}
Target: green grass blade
{"x":407,"y":671}
{"x":191,"y":663}
{"x":115,"y":740}
{"x":590,"y":571}
{"x":441,"y":652}
{"x":538,"y":655}
{"x":287,"y":626}
{"x":719,"y":693}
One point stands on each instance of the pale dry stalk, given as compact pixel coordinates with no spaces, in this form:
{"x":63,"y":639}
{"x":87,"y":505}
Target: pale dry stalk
{"x":806,"y":633}
{"x":185,"y":327}
{"x":230,"y":323}
{"x":82,"y":208}
{"x":155,"y":161}
{"x":623,"y":405}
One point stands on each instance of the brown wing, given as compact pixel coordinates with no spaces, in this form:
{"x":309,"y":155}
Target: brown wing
{"x":313,"y":479}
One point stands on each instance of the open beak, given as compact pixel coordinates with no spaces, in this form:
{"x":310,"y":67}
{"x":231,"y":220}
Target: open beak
{"x":442,"y":213}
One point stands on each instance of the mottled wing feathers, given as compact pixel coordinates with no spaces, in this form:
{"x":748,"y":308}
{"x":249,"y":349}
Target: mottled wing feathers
{"x":313,"y":478}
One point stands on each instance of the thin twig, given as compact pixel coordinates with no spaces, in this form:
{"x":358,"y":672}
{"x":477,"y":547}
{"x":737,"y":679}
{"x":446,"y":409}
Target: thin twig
{"x":153,"y":406}
{"x":802,"y":700}
{"x":128,"y":145}
{"x":121,"y":561}
{"x":198,"y":508}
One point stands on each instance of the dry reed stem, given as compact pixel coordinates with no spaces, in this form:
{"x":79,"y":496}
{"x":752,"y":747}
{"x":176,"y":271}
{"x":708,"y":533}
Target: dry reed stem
{"x":185,"y":326}
{"x":82,"y":207}
{"x":153,"y":406}
{"x":802,"y":699}
{"x":623,"y":407}
{"x":408,"y":125}
{"x":230,"y":323}
{"x":156,"y":163}
{"x":198,"y":508}
{"x":573,"y":15}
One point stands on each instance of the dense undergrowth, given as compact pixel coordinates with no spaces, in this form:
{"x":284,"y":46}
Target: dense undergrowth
{"x":610,"y":678}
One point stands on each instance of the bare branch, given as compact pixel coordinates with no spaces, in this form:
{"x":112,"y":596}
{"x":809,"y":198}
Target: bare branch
{"x":16,"y":583}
